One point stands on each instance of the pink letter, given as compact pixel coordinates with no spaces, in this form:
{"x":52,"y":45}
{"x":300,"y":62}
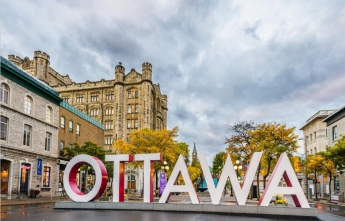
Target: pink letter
{"x":70,"y":178}
{"x":148,"y":173}
{"x":119,"y":180}
{"x":284,"y":169}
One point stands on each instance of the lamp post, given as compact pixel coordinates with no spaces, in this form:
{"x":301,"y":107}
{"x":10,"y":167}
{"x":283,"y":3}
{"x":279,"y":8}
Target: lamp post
{"x":163,"y":178}
{"x":237,"y":167}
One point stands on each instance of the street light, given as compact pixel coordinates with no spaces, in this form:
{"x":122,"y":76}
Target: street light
{"x":237,"y":167}
{"x":165,"y":167}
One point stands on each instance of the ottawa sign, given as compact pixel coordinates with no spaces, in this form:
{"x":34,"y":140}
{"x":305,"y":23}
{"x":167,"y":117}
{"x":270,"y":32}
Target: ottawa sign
{"x":283,"y":169}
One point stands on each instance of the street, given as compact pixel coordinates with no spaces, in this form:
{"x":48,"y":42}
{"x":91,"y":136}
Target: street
{"x":46,"y":212}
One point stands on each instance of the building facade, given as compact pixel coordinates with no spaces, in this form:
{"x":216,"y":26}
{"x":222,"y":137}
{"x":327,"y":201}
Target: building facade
{"x":127,"y":102}
{"x":75,"y":127}
{"x":335,"y":128}
{"x":29,"y":133}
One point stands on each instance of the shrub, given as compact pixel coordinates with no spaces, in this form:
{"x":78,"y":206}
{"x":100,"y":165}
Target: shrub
{"x":280,"y":202}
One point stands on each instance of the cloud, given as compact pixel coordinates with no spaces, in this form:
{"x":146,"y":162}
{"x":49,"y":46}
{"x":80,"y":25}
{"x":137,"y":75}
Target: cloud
{"x":218,"y":62}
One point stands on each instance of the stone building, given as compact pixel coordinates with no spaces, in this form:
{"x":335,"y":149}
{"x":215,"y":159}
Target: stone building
{"x":335,"y":128}
{"x":39,"y":68}
{"x":314,"y":136}
{"x":29,"y":133}
{"x":127,"y":102}
{"x":75,"y":127}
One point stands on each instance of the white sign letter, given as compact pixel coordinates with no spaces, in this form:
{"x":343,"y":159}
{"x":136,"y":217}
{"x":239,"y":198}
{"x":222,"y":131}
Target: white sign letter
{"x":118,"y":175}
{"x":148,"y":173}
{"x":284,"y":169}
{"x":180,"y":168}
{"x":241,"y":194}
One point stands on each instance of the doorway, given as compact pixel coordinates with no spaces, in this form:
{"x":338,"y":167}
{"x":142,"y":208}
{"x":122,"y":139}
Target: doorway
{"x":5,"y":166}
{"x":25,"y":169}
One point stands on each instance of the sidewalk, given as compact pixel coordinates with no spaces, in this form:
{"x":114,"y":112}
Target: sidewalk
{"x":26,"y":201}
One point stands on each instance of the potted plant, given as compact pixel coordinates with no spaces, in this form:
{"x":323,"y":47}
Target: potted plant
{"x":32,"y":193}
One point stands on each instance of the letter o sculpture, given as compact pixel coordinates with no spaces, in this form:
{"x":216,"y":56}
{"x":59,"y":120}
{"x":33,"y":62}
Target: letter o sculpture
{"x":70,"y":178}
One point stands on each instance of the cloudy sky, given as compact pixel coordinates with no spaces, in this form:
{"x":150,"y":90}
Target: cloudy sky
{"x":219,"y":62}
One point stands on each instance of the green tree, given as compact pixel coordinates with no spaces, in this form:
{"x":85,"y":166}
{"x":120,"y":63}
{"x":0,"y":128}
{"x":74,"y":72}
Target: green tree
{"x":218,"y":163}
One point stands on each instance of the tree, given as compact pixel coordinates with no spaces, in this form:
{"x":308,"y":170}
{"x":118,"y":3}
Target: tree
{"x":333,"y":159}
{"x":147,"y":141}
{"x":314,"y":166}
{"x":240,"y":145}
{"x":218,"y":162}
{"x":273,"y":139}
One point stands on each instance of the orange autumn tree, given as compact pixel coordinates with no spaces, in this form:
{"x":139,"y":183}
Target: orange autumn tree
{"x":273,"y":139}
{"x":314,"y":166}
{"x":146,"y":141}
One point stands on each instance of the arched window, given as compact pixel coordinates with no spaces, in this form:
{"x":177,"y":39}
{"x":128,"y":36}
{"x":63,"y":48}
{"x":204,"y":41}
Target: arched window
{"x":28,"y":105}
{"x":4,"y":93}
{"x":109,"y":111}
{"x":49,"y":114}
{"x":94,"y":112}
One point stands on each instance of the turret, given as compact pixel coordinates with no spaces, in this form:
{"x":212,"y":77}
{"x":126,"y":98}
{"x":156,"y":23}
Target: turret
{"x":41,"y":65}
{"x":147,"y":71}
{"x":15,"y":60}
{"x":119,"y":73}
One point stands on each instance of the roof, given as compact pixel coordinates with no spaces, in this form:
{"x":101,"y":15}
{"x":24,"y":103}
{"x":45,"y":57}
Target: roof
{"x":81,"y":114}
{"x":18,"y":75}
{"x":319,"y":114}
{"x":194,"y":149}
{"x":335,"y":114}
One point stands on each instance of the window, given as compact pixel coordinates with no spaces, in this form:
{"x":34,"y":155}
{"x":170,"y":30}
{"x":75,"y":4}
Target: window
{"x":315,"y":150}
{"x":70,"y":145}
{"x":311,"y":137}
{"x":49,"y":114}
{"x":109,"y":125}
{"x":94,"y":97}
{"x":314,"y":135}
{"x":136,"y":94}
{"x":109,"y":96}
{"x":62,"y":122}
{"x":335,"y":133}
{"x":66,"y":99}
{"x":28,"y":105}
{"x":94,"y":112}
{"x":136,"y":123}
{"x":108,"y":139}
{"x":4,"y":126}
{"x":71,"y":126}
{"x":46,"y":176}
{"x":62,"y":145}
{"x":47,"y":141}
{"x":306,"y":139}
{"x":78,"y":129}
{"x":129,"y":109}
{"x":27,"y":135}
{"x":41,"y":69}
{"x":109,"y":111}
{"x":4,"y":93}
{"x":326,"y":132}
{"x":311,"y":151}
{"x":80,"y":98}
{"x":136,"y":108}
{"x":129,"y":94}
{"x":128,"y":124}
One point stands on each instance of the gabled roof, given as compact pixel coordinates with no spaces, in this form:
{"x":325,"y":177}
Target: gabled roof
{"x":335,"y":115}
